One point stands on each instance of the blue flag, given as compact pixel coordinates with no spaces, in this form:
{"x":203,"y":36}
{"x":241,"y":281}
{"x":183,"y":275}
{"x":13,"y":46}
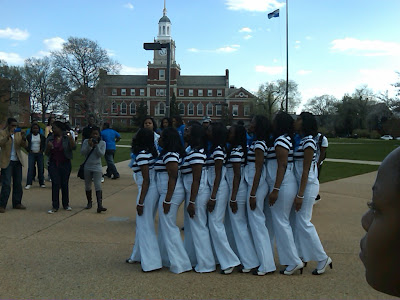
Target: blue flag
{"x":274,"y":14}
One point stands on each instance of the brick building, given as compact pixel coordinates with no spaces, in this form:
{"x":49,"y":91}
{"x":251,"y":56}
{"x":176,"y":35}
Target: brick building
{"x":196,"y":96}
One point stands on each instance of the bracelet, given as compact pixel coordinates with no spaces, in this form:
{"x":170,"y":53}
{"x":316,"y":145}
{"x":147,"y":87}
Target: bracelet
{"x":277,"y":189}
{"x":233,"y":200}
{"x":140,"y":204}
{"x":252,"y":196}
{"x":167,"y":202}
{"x":213,"y":199}
{"x":302,"y":197}
{"x":192,"y":202}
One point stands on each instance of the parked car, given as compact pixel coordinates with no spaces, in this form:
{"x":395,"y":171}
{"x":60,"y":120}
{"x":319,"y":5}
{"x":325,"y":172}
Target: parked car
{"x":398,"y":138}
{"x":386,"y":137}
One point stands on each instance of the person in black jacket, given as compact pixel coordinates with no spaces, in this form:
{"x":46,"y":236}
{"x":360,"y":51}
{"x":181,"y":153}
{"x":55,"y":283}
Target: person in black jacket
{"x":35,"y":148}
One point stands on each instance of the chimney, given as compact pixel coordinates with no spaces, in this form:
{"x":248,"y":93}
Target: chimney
{"x":226,"y":78}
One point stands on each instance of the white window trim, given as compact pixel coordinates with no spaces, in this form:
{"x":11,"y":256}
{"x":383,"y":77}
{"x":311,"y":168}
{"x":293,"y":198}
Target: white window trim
{"x":114,"y":92}
{"x":191,"y":93}
{"x":181,"y":93}
{"x":235,"y":107}
{"x":130,"y":108}
{"x":161,"y":74}
{"x":200,"y":93}
{"x":216,"y":110}
{"x":219,"y":93}
{"x":209,"y":93}
{"x":157,"y":109}
{"x":134,"y":92}
{"x":142,"y":92}
{"x":188,"y":109}
{"x":116,"y":108}
{"x":126,"y":108}
{"x":184,"y":107}
{"x":202,"y":109}
{"x":212,"y":109}
{"x":123,"y":92}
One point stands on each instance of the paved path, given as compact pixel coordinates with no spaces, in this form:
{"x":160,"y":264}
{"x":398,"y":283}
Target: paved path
{"x":81,"y":254}
{"x":352,"y":161}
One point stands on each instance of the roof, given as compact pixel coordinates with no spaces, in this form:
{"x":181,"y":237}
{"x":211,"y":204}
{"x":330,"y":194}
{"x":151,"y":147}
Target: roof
{"x":207,"y":81}
{"x":125,"y":80}
{"x":164,"y":19}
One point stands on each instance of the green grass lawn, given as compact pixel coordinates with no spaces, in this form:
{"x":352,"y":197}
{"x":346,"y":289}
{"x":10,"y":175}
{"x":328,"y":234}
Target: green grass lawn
{"x":334,"y":170}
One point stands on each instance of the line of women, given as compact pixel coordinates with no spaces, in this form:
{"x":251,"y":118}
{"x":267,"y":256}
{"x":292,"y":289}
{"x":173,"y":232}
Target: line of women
{"x":239,"y":200}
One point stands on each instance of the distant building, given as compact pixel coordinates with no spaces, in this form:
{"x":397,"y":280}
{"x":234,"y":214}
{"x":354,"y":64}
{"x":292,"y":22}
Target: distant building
{"x":196,"y":96}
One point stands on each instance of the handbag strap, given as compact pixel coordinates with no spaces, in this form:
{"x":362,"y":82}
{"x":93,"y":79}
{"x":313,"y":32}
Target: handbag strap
{"x":87,"y":156}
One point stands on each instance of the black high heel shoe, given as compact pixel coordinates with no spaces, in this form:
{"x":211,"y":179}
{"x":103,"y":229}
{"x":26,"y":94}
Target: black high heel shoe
{"x":322,"y":270}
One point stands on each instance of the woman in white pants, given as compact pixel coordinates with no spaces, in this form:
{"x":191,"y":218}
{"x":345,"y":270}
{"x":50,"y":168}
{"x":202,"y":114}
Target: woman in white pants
{"x":257,"y":190}
{"x":217,"y":204}
{"x":146,"y":244}
{"x":280,"y":176}
{"x":236,"y":159}
{"x":306,"y":173}
{"x":194,"y":176}
{"x":172,"y":194}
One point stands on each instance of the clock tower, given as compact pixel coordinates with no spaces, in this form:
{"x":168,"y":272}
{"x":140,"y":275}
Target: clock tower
{"x":160,"y":56}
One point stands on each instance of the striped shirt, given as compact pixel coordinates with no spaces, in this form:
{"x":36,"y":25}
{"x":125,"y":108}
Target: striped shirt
{"x":161,"y":162}
{"x":251,"y":154}
{"x":217,"y":154}
{"x":193,"y":157}
{"x":143,"y":158}
{"x":285,"y":142}
{"x":237,"y":156}
{"x":305,"y":143}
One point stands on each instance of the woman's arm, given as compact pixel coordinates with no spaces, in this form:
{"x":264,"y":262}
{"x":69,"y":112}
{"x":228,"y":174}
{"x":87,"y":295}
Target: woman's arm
{"x":100,"y":149}
{"x":196,"y":172}
{"x":172,"y":169}
{"x":237,"y":174}
{"x":217,"y":182}
{"x":259,"y":163}
{"x":308,"y":156}
{"x":145,"y":187}
{"x":282,"y":158}
{"x":72,"y":144}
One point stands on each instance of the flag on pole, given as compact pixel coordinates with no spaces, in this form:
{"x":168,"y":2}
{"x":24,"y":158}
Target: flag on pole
{"x":274,"y":14}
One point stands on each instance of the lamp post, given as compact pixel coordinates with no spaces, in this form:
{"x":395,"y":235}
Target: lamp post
{"x":159,"y":46}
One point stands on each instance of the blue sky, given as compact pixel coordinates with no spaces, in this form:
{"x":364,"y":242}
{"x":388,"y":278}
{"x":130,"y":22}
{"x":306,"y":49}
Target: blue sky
{"x":334,"y":45}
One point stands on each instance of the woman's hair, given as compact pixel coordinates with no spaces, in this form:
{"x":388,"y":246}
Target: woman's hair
{"x":178,"y":120}
{"x":154,"y":123}
{"x":219,"y":135}
{"x":162,"y":123}
{"x":197,"y":135}
{"x":60,"y":125}
{"x":262,"y":130}
{"x":283,"y":124}
{"x":171,"y":142}
{"x":94,"y":128}
{"x":239,"y":139}
{"x":144,"y":140}
{"x":309,"y":126}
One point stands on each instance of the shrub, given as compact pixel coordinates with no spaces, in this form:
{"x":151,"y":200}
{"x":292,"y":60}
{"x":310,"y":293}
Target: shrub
{"x":375,"y":134}
{"x":362,"y":133}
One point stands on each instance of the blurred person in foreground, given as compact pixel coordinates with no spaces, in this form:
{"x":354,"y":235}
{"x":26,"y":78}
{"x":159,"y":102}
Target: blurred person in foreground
{"x":380,"y":246}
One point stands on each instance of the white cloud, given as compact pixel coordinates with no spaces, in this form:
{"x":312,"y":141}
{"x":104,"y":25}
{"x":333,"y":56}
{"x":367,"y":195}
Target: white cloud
{"x":269,"y":70}
{"x":125,"y":70}
{"x":54,"y":44}
{"x":378,"y":79}
{"x":11,"y":58}
{"x":246,"y":37}
{"x":245,"y":29}
{"x":226,"y":49}
{"x":129,"y":6}
{"x":366,"y":47}
{"x":303,"y":72}
{"x":193,"y":50}
{"x":297,"y":45}
{"x":308,"y":38}
{"x":14,"y":34}
{"x":253,"y":5}
{"x":110,"y":52}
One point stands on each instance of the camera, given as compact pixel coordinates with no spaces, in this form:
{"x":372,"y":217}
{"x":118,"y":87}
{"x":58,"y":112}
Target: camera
{"x":95,"y":141}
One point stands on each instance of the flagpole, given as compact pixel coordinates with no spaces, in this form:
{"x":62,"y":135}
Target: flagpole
{"x":287,"y":58}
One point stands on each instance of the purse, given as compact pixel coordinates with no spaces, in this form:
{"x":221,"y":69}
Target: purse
{"x":81,"y":172}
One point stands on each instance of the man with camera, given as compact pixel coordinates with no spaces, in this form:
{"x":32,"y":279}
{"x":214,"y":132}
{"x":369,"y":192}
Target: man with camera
{"x":11,"y":162}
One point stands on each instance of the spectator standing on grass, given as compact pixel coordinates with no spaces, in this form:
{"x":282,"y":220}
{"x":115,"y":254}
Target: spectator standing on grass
{"x":178,"y":124}
{"x":11,"y":142}
{"x":110,"y":137}
{"x":59,"y":149}
{"x":322,"y":146}
{"x":36,"y":146}
{"x":86,"y":131}
{"x":28,"y":131}
{"x":93,"y":149}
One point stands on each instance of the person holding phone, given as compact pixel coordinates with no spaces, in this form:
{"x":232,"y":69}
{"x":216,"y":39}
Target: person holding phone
{"x":11,"y":162}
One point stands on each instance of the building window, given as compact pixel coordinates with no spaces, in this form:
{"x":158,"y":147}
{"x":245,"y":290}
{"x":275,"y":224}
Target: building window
{"x":209,"y":108}
{"x":114,"y":108}
{"x":200,"y":93}
{"x":161,"y":74}
{"x":219,"y":93}
{"x":124,"y":108}
{"x":209,"y":93}
{"x":218,"y":110}
{"x":77,"y":108}
{"x":141,"y":92}
{"x":235,"y":110}
{"x":133,"y":92}
{"x":246,"y":110}
{"x":190,"y":93}
{"x":114,"y":92}
{"x":163,"y":30}
{"x":181,"y":92}
{"x":132,"y":108}
{"x":190,"y":109}
{"x":77,"y":122}
{"x":123,"y":92}
{"x":160,"y":92}
{"x":200,"y":109}
{"x":181,"y":107}
{"x":160,"y":109}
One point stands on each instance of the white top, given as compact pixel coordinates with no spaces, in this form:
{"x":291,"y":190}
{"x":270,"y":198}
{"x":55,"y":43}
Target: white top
{"x":35,"y":143}
{"x":13,"y":156}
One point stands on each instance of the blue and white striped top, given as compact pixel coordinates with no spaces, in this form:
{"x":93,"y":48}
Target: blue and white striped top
{"x":193,"y":157}
{"x":305,"y":143}
{"x":143,"y":158}
{"x":161,"y":163}
{"x":251,"y":154}
{"x":284,"y":141}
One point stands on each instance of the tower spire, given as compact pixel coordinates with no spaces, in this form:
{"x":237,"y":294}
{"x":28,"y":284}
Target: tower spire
{"x":165,"y":9}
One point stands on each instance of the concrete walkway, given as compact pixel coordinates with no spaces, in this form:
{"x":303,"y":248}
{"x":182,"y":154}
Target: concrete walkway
{"x":81,"y":254}
{"x":352,"y":161}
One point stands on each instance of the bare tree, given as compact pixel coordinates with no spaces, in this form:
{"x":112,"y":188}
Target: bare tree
{"x":80,"y":61}
{"x":321,"y":105}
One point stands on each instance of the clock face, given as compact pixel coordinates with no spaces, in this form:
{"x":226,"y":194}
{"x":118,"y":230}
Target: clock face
{"x":162,"y":52}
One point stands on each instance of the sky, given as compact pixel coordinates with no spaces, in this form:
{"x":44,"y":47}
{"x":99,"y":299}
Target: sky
{"x":335,"y":46}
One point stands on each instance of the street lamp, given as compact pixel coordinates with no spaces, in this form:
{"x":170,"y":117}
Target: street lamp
{"x":159,"y":46}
